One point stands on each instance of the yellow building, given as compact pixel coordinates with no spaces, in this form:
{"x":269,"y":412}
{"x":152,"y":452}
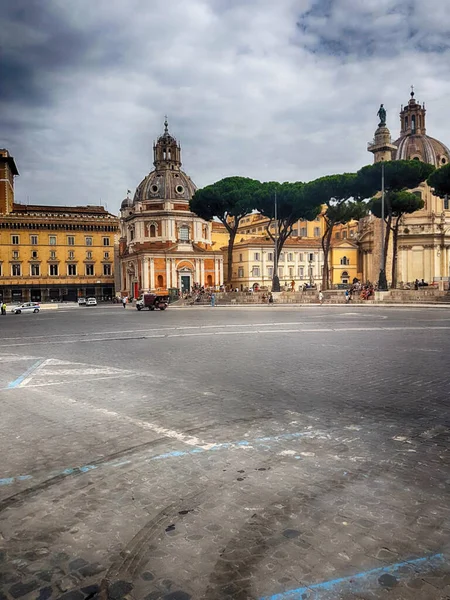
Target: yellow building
{"x":53,"y":252}
{"x":256,"y":224}
{"x":305,"y":239}
{"x":301,"y":261}
{"x":343,"y":260}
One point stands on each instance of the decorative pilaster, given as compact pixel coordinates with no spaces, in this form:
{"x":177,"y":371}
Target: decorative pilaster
{"x":145,"y":274}
{"x":174,"y":274}
{"x":168,"y":282}
{"x":152,"y":274}
{"x":216,"y":272}
{"x":202,"y":272}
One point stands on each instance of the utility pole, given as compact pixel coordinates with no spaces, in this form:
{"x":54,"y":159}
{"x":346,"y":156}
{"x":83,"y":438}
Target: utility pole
{"x":275,"y":280}
{"x":382,"y":281}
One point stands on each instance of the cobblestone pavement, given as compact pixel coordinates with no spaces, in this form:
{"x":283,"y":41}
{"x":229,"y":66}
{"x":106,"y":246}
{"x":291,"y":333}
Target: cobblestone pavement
{"x":232,"y":454}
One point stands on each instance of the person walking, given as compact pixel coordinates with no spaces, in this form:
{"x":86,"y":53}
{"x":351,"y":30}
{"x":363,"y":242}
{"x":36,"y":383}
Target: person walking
{"x":213,"y":299}
{"x":347,"y":296}
{"x":124,"y":301}
{"x":270,"y":298}
{"x":3,"y":308}
{"x":320,"y":297}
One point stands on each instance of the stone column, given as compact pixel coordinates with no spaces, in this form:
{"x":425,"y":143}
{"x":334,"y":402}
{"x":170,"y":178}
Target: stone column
{"x":174,"y":274}
{"x":145,"y":273}
{"x":197,"y":271}
{"x":217,"y":281}
{"x":168,"y":282}
{"x":202,"y":272}
{"x":152,"y":274}
{"x":221,"y":270}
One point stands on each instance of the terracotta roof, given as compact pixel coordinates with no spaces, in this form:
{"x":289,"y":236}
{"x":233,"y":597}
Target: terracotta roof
{"x":33,"y":208}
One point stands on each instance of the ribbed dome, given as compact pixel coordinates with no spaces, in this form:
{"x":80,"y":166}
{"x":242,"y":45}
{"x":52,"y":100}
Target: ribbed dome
{"x":165,"y":185}
{"x":424,"y":147}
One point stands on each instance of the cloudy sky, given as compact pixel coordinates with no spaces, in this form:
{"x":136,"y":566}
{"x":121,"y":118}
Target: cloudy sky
{"x":271,"y":89}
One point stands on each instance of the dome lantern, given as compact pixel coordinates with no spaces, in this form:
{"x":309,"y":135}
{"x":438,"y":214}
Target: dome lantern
{"x":412,"y":117}
{"x":166,"y":151}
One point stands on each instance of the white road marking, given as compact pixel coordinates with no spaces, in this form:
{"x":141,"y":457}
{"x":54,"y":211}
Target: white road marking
{"x":42,"y":375}
{"x":246,"y":332}
{"x":171,"y":433}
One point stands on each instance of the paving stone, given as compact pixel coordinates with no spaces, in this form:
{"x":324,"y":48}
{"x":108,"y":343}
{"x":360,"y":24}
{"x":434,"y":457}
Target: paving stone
{"x":21,"y":589}
{"x":78,"y":563}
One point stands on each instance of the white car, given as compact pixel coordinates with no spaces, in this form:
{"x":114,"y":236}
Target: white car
{"x":81,"y":301}
{"x":91,"y":302}
{"x":26,"y":307}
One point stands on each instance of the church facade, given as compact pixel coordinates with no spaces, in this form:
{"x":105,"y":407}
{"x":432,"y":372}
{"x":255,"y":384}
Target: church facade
{"x":424,"y":238}
{"x":163,"y":245}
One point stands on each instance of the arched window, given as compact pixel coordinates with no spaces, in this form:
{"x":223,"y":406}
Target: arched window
{"x":406,"y":122}
{"x":152,"y":230}
{"x":413,"y":124}
{"x":345,"y":261}
{"x":160,"y":281}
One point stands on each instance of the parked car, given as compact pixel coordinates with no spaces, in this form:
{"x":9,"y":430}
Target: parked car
{"x":81,"y":301}
{"x":91,"y":302}
{"x":26,"y":307}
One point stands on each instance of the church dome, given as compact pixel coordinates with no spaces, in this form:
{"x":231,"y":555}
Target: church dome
{"x":413,"y":142}
{"x":165,"y":185}
{"x":126,"y":203}
{"x":422,"y":147}
{"x":167,"y":181}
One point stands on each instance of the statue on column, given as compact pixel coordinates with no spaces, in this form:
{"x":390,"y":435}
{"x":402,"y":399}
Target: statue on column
{"x":382,"y":115}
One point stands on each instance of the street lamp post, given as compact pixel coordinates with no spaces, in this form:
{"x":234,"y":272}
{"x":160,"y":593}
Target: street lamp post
{"x":275,"y":280}
{"x":310,"y":272}
{"x":382,"y":281}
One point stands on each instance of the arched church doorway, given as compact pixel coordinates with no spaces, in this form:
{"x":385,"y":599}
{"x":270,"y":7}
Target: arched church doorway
{"x":209,"y":281}
{"x":160,"y":281}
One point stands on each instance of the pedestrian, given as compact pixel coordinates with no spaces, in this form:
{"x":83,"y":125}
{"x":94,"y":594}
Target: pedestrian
{"x":270,"y":298}
{"x":347,"y":296}
{"x":213,"y":299}
{"x":320,"y":297}
{"x":3,"y":308}
{"x":124,"y":301}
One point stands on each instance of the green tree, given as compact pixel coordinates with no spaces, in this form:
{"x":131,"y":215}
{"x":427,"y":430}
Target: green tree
{"x":399,"y":204}
{"x":292,"y":205}
{"x":337,"y":194}
{"x":439,"y":180}
{"x":228,"y":200}
{"x":399,"y":176}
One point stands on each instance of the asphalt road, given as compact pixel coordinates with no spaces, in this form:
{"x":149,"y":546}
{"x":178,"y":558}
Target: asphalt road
{"x":225,"y":453}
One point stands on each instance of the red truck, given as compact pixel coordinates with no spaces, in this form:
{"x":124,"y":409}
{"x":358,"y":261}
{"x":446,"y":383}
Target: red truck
{"x":152,"y":301}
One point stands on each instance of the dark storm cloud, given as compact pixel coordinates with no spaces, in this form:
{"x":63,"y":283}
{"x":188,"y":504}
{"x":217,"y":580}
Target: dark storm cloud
{"x":363,"y":29}
{"x":39,"y":42}
{"x":285,"y":90}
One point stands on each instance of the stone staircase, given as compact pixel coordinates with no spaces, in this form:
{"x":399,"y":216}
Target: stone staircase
{"x":428,"y":295}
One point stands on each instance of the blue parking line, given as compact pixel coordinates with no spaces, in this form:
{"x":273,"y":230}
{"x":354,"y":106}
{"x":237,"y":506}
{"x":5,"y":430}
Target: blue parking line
{"x":24,"y":375}
{"x":360,"y":581}
{"x":262,"y":442}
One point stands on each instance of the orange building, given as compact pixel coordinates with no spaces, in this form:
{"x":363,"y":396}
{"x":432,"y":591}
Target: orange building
{"x":163,"y":244}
